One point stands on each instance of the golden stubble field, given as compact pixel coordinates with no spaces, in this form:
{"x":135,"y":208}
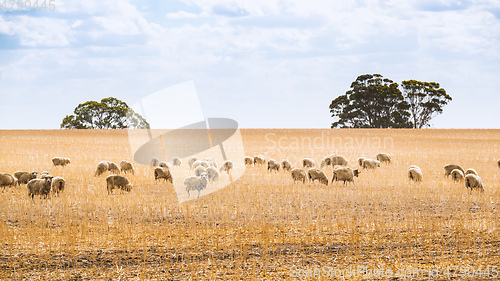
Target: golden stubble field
{"x":262,"y":226}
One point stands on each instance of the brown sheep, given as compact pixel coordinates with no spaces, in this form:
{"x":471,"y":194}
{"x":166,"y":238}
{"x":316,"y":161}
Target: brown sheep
{"x":121,"y":182}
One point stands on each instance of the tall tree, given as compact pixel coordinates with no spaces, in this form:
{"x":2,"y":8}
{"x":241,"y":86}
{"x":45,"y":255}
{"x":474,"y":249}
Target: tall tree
{"x":110,"y":113}
{"x":425,"y":100}
{"x":372,"y":102}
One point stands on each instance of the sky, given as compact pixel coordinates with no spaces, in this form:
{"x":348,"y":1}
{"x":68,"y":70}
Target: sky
{"x":263,"y":63}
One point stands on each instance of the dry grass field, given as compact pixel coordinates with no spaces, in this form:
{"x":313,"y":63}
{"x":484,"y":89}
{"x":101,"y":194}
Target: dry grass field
{"x":263,"y":226}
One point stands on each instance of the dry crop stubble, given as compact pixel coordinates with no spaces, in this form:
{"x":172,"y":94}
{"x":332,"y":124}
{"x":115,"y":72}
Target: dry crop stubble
{"x":262,"y":224}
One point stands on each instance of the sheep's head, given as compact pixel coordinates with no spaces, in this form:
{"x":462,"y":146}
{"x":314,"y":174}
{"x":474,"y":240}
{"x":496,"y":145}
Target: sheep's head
{"x":356,"y":172}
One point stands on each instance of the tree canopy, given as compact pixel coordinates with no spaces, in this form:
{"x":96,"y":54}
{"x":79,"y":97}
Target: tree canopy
{"x":425,"y":100}
{"x":377,"y":102}
{"x":110,"y":113}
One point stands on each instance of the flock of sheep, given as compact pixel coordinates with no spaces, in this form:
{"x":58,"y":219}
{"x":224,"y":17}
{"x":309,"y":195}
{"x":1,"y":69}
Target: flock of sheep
{"x":42,"y":186}
{"x":206,"y":171}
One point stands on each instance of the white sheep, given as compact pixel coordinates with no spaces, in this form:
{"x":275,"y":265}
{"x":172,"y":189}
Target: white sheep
{"x":196,"y":183}
{"x":44,"y":174}
{"x":191,"y":161}
{"x":161,"y":173}
{"x":384,"y":158}
{"x":176,"y":161}
{"x":259,"y":160}
{"x":327,"y":161}
{"x":248,"y":161}
{"x":308,"y":163}
{"x":473,"y":182}
{"x":344,"y":174}
{"x":24,"y":177}
{"x":202,"y":163}
{"x":415,"y":173}
{"x":273,"y":165}
{"x":164,"y":164}
{"x":7,"y":180}
{"x":120,"y":182}
{"x":102,"y":167}
{"x":457,"y":175}
{"x":39,"y":187}
{"x":370,"y":163}
{"x":298,"y":175}
{"x":286,"y":165}
{"x":470,"y":171}
{"x":200,"y":170}
{"x":58,"y":184}
{"x":213,"y":174}
{"x":126,"y":166}
{"x":113,"y":168}
{"x":317,"y":174}
{"x":360,"y":161}
{"x":210,"y":162}
{"x":226,"y":166}
{"x":154,"y":162}
{"x":60,"y":161}
{"x":450,"y":167}
{"x":338,"y":160}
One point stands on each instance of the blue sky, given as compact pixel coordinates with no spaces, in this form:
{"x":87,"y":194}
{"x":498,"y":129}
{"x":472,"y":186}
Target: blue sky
{"x":263,"y":63}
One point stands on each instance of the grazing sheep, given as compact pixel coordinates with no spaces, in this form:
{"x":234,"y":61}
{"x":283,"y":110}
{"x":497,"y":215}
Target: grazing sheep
{"x":213,"y":174}
{"x":200,"y":170}
{"x":370,"y":163}
{"x":470,"y":171}
{"x":7,"y":180}
{"x":450,"y":167}
{"x":344,"y":174}
{"x":205,"y":164}
{"x":327,"y":161}
{"x":191,"y":162}
{"x":113,"y":168}
{"x":164,"y":164}
{"x":44,"y":174}
{"x":473,"y":182}
{"x":498,"y":163}
{"x":126,"y":166}
{"x":273,"y":165}
{"x":317,"y":174}
{"x":384,"y":158}
{"x":120,"y":182}
{"x":24,"y":177}
{"x":298,"y":175}
{"x":102,"y":167}
{"x":176,"y":161}
{"x":286,"y":165}
{"x":154,"y":162}
{"x":360,"y":161}
{"x":259,"y":160}
{"x":457,"y":175}
{"x":210,"y":162}
{"x":39,"y":187}
{"x":415,"y":173}
{"x":308,"y":163}
{"x":338,"y":160}
{"x":248,"y":161}
{"x":163,"y":173}
{"x":226,"y":166}
{"x":58,"y":184}
{"x":60,"y":161}
{"x":196,"y":183}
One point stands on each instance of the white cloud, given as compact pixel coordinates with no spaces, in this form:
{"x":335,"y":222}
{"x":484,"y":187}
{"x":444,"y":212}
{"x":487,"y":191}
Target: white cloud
{"x":181,"y":15}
